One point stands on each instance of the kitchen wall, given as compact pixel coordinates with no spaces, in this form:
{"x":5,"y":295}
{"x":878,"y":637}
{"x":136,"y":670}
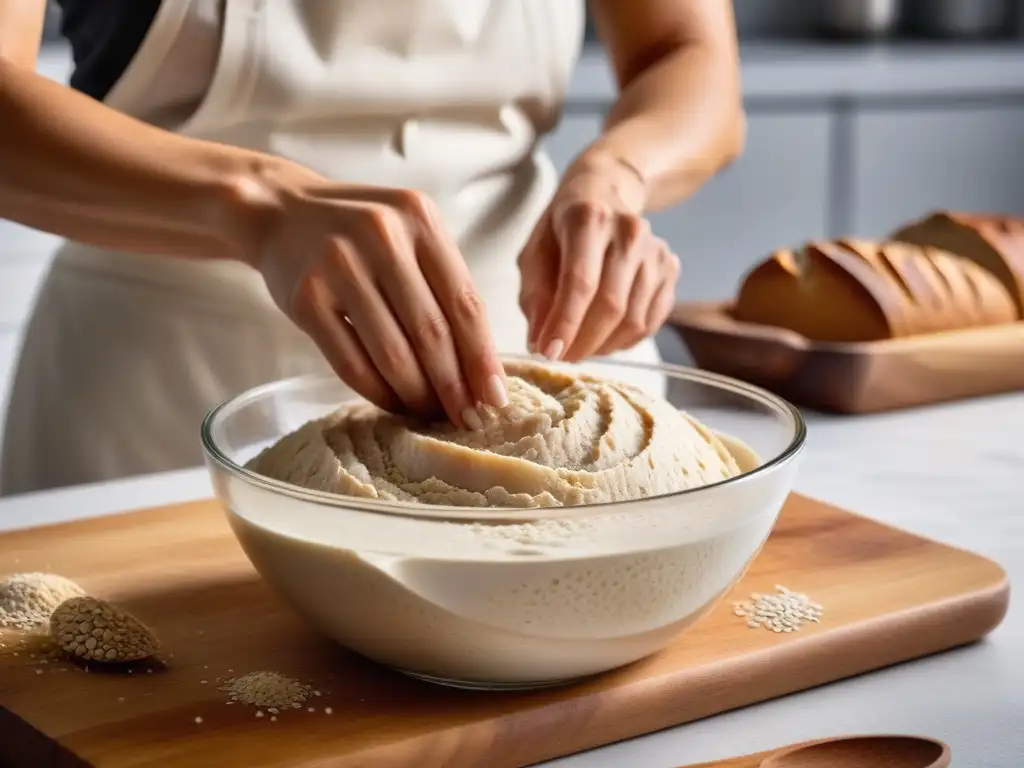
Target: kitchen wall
{"x":845,"y":138}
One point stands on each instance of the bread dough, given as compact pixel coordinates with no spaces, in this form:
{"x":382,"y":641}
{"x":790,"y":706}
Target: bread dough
{"x":562,"y":440}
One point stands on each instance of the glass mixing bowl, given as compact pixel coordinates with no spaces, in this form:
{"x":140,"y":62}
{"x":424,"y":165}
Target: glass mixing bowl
{"x":507,"y":598}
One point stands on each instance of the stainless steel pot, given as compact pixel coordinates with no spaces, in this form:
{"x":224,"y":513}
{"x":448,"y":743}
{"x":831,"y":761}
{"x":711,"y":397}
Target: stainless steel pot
{"x":859,"y":18}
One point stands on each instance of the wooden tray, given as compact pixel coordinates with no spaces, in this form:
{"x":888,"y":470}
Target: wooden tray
{"x":855,"y":377}
{"x":888,"y":596}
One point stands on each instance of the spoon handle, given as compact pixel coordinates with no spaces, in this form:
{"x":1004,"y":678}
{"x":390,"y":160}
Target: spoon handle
{"x":746,"y":761}
{"x":762,"y":759}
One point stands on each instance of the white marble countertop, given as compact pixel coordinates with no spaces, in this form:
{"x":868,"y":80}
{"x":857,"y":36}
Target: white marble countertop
{"x":953,"y":473}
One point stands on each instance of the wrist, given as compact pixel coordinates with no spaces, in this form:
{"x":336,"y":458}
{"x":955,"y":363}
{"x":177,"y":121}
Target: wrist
{"x":614,"y":170}
{"x":249,"y":198}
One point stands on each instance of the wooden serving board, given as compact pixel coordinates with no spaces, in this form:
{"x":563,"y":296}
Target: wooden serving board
{"x":888,"y":596}
{"x":862,"y":377}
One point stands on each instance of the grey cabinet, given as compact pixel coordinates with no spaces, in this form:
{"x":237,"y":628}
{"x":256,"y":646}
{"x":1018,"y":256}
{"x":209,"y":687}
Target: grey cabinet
{"x":906,"y":162}
{"x":775,"y":195}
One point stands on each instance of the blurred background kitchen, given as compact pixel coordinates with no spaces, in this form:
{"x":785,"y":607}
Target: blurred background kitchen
{"x":862,"y":114}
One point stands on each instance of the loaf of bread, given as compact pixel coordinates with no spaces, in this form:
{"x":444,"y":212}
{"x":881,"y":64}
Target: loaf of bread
{"x":853,"y":290}
{"x":995,"y":243}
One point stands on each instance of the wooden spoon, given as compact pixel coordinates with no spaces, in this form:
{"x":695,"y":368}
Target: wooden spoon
{"x":881,"y":751}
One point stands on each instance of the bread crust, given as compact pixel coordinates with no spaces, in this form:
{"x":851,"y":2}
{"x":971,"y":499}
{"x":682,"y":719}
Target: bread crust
{"x":857,"y":290}
{"x":995,"y":243}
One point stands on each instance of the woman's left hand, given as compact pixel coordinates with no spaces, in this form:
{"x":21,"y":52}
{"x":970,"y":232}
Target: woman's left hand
{"x":595,"y":280}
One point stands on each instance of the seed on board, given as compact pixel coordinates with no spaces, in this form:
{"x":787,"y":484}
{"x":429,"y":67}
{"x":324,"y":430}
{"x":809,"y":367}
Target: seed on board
{"x":27,"y":600}
{"x":784,"y":612}
{"x":267,"y":690}
{"x":92,"y":629}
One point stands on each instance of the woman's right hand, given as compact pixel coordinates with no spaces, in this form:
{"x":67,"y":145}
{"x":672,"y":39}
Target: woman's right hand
{"x":374,"y":278}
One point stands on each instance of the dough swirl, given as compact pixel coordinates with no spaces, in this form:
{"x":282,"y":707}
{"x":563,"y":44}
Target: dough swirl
{"x":562,"y":440}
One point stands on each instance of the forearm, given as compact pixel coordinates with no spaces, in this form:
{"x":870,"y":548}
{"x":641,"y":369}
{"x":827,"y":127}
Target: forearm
{"x":676,"y":124}
{"x":76,"y":168}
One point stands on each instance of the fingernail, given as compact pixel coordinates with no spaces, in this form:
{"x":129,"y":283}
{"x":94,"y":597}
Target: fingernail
{"x":555,"y":349}
{"x":495,"y":392}
{"x":531,"y":347}
{"x":472,"y":419}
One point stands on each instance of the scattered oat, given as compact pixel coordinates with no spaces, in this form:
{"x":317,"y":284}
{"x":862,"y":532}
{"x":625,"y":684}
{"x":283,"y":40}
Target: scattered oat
{"x":268,"y":690}
{"x":328,"y":710}
{"x":199,"y":720}
{"x":273,"y":719}
{"x":259,"y":713}
{"x":784,"y":612}
{"x":100,"y":631}
{"x":27,"y":600}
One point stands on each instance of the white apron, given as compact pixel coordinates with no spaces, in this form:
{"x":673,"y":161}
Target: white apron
{"x":125,"y":353}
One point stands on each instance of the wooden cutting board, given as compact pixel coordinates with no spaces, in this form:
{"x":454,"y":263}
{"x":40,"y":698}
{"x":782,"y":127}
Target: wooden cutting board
{"x":888,"y":596}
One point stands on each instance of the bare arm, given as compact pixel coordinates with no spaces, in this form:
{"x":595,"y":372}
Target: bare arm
{"x":76,"y":168}
{"x":679,"y":116}
{"x":21,"y":27}
{"x":337,"y":258}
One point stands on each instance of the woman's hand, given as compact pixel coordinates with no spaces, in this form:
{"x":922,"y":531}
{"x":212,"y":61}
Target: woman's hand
{"x":374,"y":278}
{"x":594,"y":278}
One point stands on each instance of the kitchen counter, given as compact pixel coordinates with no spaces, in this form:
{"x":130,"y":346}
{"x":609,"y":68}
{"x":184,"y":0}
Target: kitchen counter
{"x":950,"y":472}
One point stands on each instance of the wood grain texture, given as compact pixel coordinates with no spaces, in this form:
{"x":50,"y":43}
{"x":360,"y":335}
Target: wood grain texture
{"x":889,"y":596}
{"x":862,"y":377}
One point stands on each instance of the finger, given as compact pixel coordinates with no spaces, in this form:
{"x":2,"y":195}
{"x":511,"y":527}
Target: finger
{"x":538,"y":271}
{"x":655,"y":309}
{"x":379,"y":331}
{"x":318,"y":315}
{"x":433,"y":341}
{"x":449,"y":279}
{"x":633,"y":324}
{"x":665,"y":299}
{"x":625,"y":255}
{"x":583,"y":234}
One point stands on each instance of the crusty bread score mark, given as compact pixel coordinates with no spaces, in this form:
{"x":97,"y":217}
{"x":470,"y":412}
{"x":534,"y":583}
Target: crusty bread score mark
{"x":854,"y":290}
{"x":995,"y":243}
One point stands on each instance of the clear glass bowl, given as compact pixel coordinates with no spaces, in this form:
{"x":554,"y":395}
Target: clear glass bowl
{"x":507,"y":598}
